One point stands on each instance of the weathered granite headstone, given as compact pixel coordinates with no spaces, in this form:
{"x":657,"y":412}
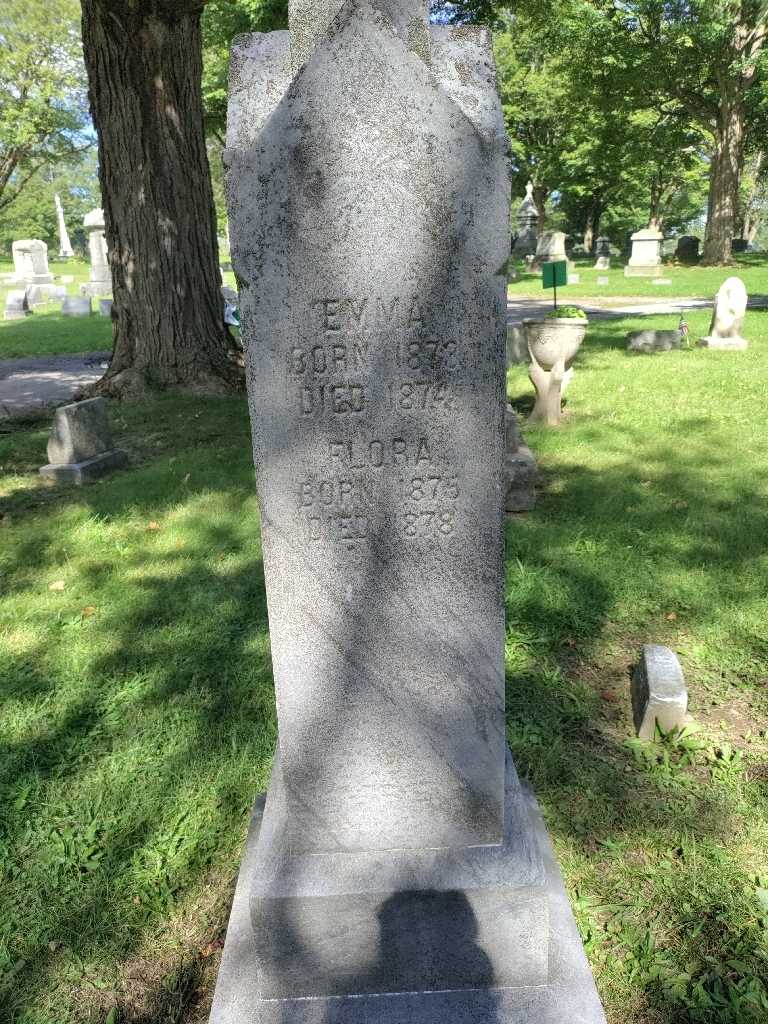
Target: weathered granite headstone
{"x":603,"y":281}
{"x":30,"y":261}
{"x":16,"y":305}
{"x":550,"y":249}
{"x":65,"y":246}
{"x":105,"y":307}
{"x":739,"y":245}
{"x":603,"y":253}
{"x":654,"y":341}
{"x":688,"y":248}
{"x":662,"y":282}
{"x":517,"y":344}
{"x":658,"y":692}
{"x":728,"y":317}
{"x":100,"y":282}
{"x":527,"y":220}
{"x":646,"y":257}
{"x":520,"y":467}
{"x":395,"y":874}
{"x":76,"y":305}
{"x":80,"y":446}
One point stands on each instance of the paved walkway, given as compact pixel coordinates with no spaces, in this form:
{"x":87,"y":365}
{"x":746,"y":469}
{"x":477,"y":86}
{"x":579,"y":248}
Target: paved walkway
{"x":519,"y":309}
{"x":28,"y":385}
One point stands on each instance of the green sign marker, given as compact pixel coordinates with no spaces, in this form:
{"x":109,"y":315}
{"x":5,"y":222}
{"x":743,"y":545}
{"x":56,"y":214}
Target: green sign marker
{"x":554,"y":274}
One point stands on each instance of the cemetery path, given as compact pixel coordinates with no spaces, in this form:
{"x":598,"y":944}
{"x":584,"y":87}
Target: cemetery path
{"x":519,"y":309}
{"x":29,"y":385}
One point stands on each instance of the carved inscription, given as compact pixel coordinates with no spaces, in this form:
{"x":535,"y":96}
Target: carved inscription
{"x":365,"y":360}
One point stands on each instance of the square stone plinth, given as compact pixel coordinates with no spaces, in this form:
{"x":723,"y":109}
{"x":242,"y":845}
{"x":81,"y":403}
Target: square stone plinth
{"x":88,"y":471}
{"x":482,"y":935}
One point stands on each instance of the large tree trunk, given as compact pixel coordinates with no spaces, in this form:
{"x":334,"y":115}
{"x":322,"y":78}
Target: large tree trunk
{"x":592,"y":223}
{"x":540,"y":193}
{"x":144,"y":62}
{"x":725,"y":176}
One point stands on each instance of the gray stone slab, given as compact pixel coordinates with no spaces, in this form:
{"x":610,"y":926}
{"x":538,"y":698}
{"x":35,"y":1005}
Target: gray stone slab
{"x":659,"y":694}
{"x":566,"y":994}
{"x":88,"y":471}
{"x":80,"y":432}
{"x":76,"y":305}
{"x":376,"y":380}
{"x":654,"y":341}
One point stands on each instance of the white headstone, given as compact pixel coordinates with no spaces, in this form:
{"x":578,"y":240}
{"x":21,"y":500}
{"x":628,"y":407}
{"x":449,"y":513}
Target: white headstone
{"x":646,"y":257}
{"x":100,"y":282}
{"x":30,"y":260}
{"x":725,"y":330}
{"x":16,"y":305}
{"x":65,"y":247}
{"x":76,"y":305}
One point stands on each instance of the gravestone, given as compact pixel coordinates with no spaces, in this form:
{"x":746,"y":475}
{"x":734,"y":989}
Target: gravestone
{"x":654,"y":341}
{"x":645,"y":260}
{"x":100,"y":282}
{"x":65,"y":246}
{"x":659,"y":694}
{"x":688,"y":248}
{"x":76,"y":305}
{"x":395,"y":872}
{"x":739,"y":245}
{"x":661,"y":282}
{"x":725,"y":329}
{"x":551,"y":249}
{"x":517,"y":344}
{"x":30,"y":261}
{"x":16,"y":305}
{"x":80,"y":446}
{"x":574,"y":278}
{"x":520,"y":468}
{"x":603,"y":281}
{"x":527,"y":220}
{"x":603,"y":253}
{"x":105,"y":307}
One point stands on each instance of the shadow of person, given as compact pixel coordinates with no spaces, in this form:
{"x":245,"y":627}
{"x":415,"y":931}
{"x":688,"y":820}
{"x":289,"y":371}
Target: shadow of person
{"x":427,"y":944}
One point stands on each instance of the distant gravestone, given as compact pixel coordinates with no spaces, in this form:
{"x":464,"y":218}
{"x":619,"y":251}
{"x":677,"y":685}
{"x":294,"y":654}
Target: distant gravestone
{"x":65,"y":246}
{"x":80,"y":446}
{"x":100,"y":281}
{"x":76,"y":305}
{"x":105,"y":307}
{"x":739,"y":245}
{"x":30,"y":261}
{"x":603,"y":281}
{"x":661,"y":282}
{"x":394,"y":874}
{"x":527,"y":221}
{"x":688,"y":248}
{"x":654,"y":341}
{"x":517,"y":344}
{"x":603,"y":253}
{"x":725,"y":330}
{"x":574,"y":278}
{"x":645,"y":260}
{"x":16,"y":305}
{"x":550,"y":249}
{"x":659,"y":695}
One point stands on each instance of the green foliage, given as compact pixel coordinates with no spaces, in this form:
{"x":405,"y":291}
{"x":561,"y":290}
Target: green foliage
{"x":43,"y":110}
{"x":566,"y":313}
{"x":222,"y":21}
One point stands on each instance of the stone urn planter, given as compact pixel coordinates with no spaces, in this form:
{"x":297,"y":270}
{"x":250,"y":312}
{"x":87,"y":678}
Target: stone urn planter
{"x":552,"y":345}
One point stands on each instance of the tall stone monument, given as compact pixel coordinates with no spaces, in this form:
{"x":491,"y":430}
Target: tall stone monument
{"x":646,"y":257}
{"x":527,"y":221}
{"x":65,"y":246}
{"x":100,"y":282}
{"x":398,"y":872}
{"x":727,"y":324}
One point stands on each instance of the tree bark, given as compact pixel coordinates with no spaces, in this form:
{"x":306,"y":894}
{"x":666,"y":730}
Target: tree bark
{"x":592,"y":223}
{"x":725,"y":176}
{"x":144,"y":63}
{"x":540,"y":193}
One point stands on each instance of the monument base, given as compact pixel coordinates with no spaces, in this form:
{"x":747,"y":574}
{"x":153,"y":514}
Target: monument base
{"x":522,"y":471}
{"x":85,"y":472}
{"x":726,"y":344}
{"x":438,"y":930}
{"x":655,"y":270}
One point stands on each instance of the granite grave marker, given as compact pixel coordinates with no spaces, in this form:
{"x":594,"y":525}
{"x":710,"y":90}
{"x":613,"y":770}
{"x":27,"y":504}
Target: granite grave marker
{"x":396,"y":872}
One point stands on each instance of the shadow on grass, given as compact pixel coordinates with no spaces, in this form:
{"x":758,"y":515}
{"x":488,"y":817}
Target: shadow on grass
{"x":123,"y":802}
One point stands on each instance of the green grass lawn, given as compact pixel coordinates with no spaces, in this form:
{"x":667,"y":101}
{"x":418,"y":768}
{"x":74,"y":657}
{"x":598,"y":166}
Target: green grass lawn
{"x":47,"y":332}
{"x":687,"y":282}
{"x":137,"y":719}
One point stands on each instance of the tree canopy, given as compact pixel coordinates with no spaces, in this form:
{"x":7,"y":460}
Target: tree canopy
{"x":43,"y":109}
